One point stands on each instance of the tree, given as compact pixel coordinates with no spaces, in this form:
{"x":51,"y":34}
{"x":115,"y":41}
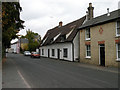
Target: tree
{"x":33,"y":43}
{"x":11,"y":22}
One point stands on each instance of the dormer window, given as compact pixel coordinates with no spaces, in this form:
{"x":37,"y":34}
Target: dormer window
{"x":63,"y":38}
{"x":51,"y":40}
{"x":118,"y":28}
{"x":87,"y":34}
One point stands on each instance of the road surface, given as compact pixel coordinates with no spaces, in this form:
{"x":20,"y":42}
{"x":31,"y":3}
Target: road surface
{"x":21,"y":71}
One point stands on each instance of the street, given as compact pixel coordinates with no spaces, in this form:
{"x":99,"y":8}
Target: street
{"x":21,"y":71}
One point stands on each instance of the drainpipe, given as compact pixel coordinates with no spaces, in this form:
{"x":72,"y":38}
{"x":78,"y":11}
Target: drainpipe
{"x":73,"y":51}
{"x":79,"y":46}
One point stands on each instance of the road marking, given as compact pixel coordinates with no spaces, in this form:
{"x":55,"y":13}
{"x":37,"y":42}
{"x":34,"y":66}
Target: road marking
{"x":28,"y":86}
{"x":25,"y":82}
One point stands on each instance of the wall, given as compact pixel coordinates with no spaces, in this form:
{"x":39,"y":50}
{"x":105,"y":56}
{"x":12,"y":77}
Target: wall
{"x":14,"y":48}
{"x":58,"y":46}
{"x":109,"y":36}
{"x":76,"y":46}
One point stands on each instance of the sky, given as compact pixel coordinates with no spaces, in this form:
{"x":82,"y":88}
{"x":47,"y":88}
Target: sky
{"x":42,"y":15}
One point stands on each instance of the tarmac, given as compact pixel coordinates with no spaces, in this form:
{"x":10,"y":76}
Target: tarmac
{"x":0,"y":75}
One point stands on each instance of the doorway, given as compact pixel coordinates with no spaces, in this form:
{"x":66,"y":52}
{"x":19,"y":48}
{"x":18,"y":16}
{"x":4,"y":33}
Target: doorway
{"x":48,"y":53}
{"x":58,"y":53}
{"x":102,"y":55}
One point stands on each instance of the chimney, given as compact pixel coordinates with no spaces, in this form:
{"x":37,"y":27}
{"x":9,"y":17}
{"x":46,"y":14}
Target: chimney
{"x":90,"y":11}
{"x":87,"y":16}
{"x":108,"y":13}
{"x":60,"y":24}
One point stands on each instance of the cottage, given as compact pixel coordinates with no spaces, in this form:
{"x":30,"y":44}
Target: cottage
{"x":100,"y":38}
{"x":62,"y":42}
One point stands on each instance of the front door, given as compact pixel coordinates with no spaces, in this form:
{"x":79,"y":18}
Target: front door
{"x":58,"y":53}
{"x":102,"y":55}
{"x":48,"y":53}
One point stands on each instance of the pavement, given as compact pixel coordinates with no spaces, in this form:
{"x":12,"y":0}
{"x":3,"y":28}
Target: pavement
{"x":24,"y":72}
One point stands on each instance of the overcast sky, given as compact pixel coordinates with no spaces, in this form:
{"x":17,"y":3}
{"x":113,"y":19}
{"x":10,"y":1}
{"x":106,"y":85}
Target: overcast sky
{"x":42,"y":15}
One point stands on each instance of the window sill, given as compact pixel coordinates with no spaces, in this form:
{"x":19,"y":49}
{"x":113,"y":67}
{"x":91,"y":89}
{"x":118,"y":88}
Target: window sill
{"x":117,"y":36}
{"x":87,"y":57}
{"x":118,"y":60}
{"x":88,"y":39}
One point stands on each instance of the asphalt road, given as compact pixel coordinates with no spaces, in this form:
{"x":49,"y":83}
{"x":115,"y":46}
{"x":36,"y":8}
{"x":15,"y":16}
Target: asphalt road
{"x":25,"y":72}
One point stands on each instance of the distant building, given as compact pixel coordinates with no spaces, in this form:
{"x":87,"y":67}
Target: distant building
{"x":37,"y":38}
{"x":23,"y":43}
{"x":15,"y":47}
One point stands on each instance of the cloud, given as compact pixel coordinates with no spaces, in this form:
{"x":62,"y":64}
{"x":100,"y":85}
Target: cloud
{"x":42,"y":15}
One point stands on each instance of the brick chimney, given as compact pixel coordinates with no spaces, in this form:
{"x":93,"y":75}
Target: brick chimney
{"x":90,"y":11}
{"x":60,"y":24}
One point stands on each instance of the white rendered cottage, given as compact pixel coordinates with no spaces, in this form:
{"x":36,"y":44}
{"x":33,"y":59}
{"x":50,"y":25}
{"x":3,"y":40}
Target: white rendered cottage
{"x":62,"y":42}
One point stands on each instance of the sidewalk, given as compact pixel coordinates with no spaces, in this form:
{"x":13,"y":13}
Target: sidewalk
{"x":97,"y":67}
{"x":11,"y":77}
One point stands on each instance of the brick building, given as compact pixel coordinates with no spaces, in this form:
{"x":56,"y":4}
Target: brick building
{"x":100,"y":38}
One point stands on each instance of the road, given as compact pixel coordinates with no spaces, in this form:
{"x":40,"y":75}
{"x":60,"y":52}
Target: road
{"x":20,"y":71}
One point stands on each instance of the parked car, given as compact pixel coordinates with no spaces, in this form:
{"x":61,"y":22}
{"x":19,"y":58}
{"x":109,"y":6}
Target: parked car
{"x":27,"y":53}
{"x":35,"y":54}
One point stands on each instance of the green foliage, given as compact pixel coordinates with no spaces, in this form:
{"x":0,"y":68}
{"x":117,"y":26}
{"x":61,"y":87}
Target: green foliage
{"x":30,"y":36}
{"x":11,"y":22}
{"x":33,"y":44}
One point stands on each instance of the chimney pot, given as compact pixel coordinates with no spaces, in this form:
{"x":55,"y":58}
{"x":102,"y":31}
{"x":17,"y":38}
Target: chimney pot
{"x":90,"y":4}
{"x":87,"y":15}
{"x":60,"y":24}
{"x":108,"y":13}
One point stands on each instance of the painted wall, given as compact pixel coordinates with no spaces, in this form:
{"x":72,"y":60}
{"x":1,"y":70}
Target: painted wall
{"x":76,"y":47}
{"x":109,"y":36}
{"x":60,"y":46}
{"x":14,"y":48}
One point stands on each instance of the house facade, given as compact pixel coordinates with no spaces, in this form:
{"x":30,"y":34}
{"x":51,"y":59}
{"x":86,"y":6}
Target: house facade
{"x":15,"y":47}
{"x":100,"y":39}
{"x":62,"y":42}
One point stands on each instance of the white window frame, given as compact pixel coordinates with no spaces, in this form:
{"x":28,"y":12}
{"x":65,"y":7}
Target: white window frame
{"x":117,"y":28}
{"x":87,"y":51}
{"x":118,"y":59}
{"x":86,"y":34}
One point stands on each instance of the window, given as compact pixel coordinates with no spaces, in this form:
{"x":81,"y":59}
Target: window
{"x":65,"y":52}
{"x":63,"y":38}
{"x":88,"y":51}
{"x":53,"y":52}
{"x":118,"y":52}
{"x":118,"y":29}
{"x":42,"y":51}
{"x":87,"y":34}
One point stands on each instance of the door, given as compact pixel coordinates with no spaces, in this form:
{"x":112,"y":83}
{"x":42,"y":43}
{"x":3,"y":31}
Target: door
{"x":48,"y":53}
{"x":102,"y":55}
{"x":58,"y":53}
